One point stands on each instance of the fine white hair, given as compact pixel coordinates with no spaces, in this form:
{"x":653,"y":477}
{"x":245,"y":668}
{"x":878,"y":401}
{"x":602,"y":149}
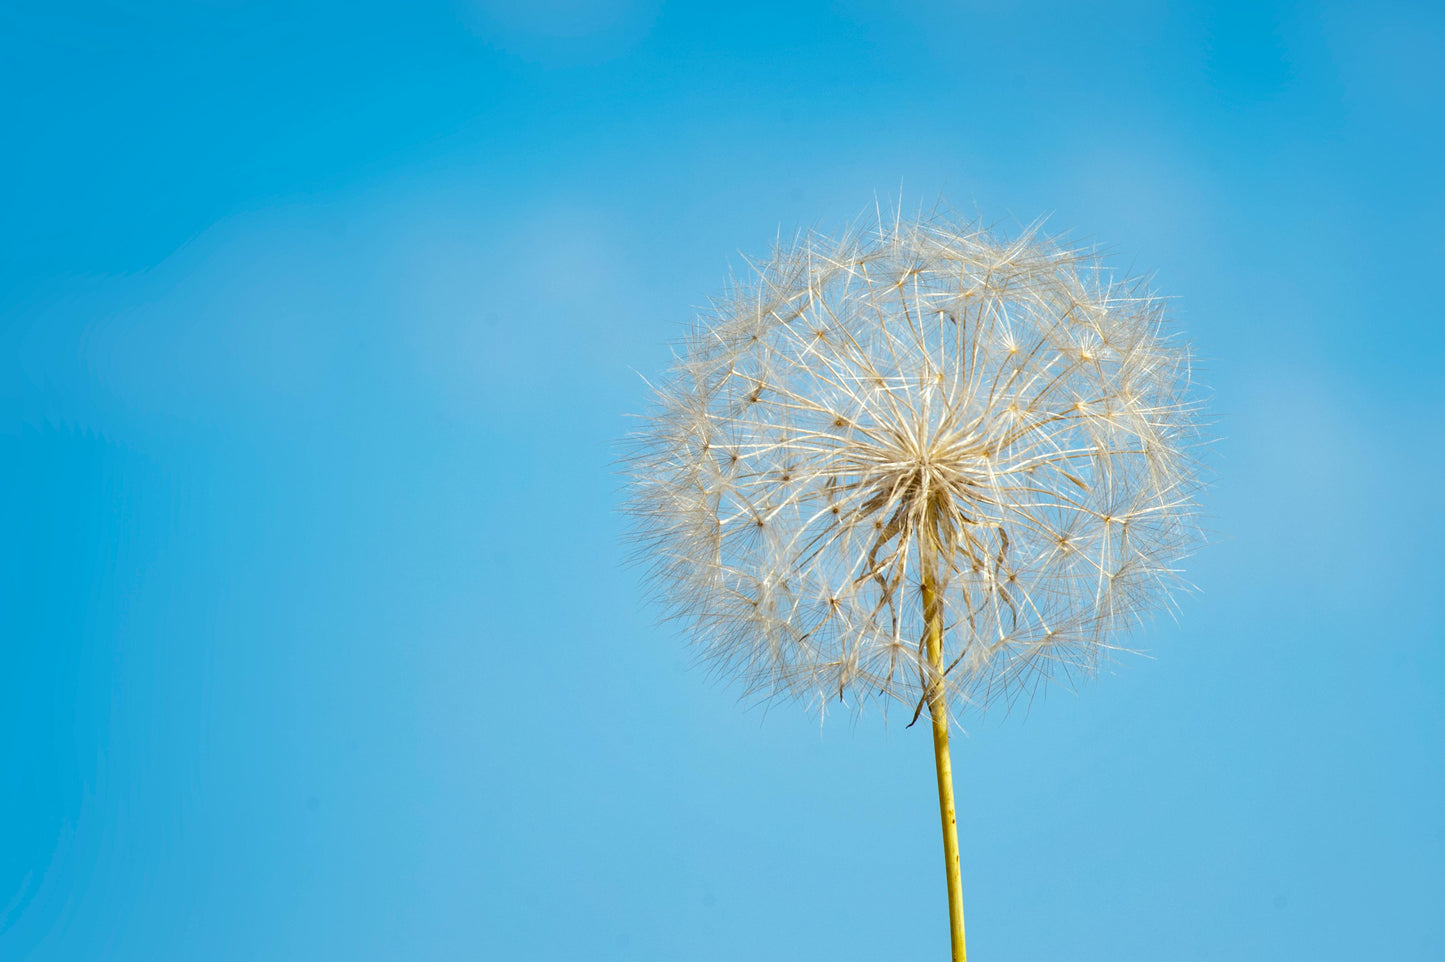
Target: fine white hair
{"x":921,"y":393}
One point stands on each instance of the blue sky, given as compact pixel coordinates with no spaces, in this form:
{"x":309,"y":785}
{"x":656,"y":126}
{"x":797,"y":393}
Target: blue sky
{"x":318,"y":323}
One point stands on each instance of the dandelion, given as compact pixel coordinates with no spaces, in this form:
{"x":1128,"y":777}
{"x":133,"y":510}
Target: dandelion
{"x":922,"y":464}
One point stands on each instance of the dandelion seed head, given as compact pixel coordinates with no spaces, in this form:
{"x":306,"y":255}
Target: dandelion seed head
{"x":863,"y":403}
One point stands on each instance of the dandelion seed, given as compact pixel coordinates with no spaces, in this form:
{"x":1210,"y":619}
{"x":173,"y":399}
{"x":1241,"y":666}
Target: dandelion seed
{"x":967,"y":460}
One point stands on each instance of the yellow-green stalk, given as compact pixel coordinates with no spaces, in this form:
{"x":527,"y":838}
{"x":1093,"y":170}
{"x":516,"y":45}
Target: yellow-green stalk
{"x":938,"y":711}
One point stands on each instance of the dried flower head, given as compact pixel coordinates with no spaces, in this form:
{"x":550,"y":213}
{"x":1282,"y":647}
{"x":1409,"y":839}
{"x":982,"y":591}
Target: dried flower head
{"x":920,"y":422}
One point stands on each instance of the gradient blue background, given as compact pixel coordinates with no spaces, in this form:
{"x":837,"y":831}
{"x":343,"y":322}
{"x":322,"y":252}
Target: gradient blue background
{"x":319,"y":321}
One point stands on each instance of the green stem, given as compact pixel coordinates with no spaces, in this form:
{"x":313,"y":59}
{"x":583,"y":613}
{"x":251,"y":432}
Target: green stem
{"x":938,"y":710}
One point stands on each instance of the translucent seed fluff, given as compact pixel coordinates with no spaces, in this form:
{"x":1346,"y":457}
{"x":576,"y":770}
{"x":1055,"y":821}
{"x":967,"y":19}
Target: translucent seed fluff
{"x":921,"y":396}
